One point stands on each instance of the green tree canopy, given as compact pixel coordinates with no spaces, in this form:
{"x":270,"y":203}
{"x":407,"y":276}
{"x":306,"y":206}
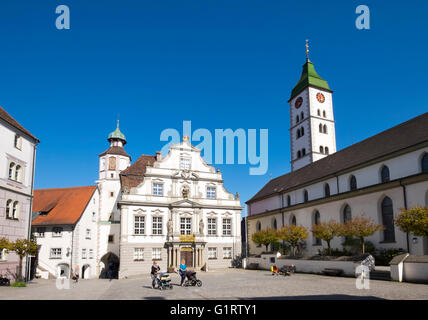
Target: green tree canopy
{"x":293,"y":234}
{"x":413,"y":220}
{"x":23,"y":247}
{"x":327,"y":231}
{"x":265,"y":237}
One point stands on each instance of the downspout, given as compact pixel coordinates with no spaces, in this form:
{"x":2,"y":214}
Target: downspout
{"x":27,"y":262}
{"x":71,"y":251}
{"x":405,"y":207}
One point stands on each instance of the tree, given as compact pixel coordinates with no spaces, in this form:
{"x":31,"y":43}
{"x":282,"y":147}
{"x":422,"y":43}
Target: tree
{"x":23,"y":247}
{"x":293,"y":234}
{"x":413,"y":220}
{"x":361,"y":228}
{"x":4,"y":243}
{"x":265,"y":237}
{"x":327,"y":231}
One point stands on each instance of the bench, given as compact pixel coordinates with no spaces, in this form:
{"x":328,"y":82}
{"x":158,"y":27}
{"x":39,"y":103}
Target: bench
{"x":332,"y":272}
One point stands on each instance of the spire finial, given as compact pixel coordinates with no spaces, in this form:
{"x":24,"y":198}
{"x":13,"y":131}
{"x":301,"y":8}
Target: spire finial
{"x":118,"y":118}
{"x":307,"y":49}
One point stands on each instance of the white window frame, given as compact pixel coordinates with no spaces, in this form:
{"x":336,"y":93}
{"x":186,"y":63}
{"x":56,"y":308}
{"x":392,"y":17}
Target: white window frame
{"x":57,"y":255}
{"x":227,"y":228}
{"x":212,"y":253}
{"x":185,"y":225}
{"x":185,"y":163}
{"x":211,"y":194}
{"x":138,"y":254}
{"x":56,"y":234}
{"x":158,"y":189}
{"x":156,"y":253}
{"x":141,"y":225}
{"x":157,"y":225}
{"x":210,"y":223}
{"x":227,"y":252}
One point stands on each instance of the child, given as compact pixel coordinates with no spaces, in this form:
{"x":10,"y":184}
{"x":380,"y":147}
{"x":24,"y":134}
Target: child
{"x":274,"y":270}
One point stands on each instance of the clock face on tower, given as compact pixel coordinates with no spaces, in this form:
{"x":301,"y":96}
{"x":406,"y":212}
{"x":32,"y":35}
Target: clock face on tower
{"x":320,"y":97}
{"x":298,"y":102}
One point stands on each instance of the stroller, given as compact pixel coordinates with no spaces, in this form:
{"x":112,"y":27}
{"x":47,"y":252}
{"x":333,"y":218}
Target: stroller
{"x":191,"y":280}
{"x":162,"y":281}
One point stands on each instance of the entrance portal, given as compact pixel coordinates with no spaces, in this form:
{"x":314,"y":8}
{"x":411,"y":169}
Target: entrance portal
{"x":86,"y":271}
{"x":111,"y":266}
{"x":187,"y":255}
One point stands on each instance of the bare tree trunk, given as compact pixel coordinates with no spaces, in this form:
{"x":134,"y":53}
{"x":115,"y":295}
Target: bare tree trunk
{"x":363,"y":245}
{"x":19,"y":278}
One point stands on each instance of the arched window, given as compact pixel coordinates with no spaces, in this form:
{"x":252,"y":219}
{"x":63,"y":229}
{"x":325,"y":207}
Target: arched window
{"x":302,"y":115}
{"x":274,"y":224}
{"x":319,"y":113}
{"x":384,"y":174}
{"x":320,"y":127}
{"x":424,"y":163}
{"x":353,"y":183}
{"x":326,"y":150}
{"x":321,"y":149}
{"x":288,"y":201}
{"x":323,"y":114}
{"x":317,"y":219}
{"x":324,"y":129}
{"x":293,"y":220}
{"x":258,"y":226}
{"x":15,"y":211}
{"x":9,"y":209}
{"x":303,"y":152}
{"x":299,"y":154}
{"x":347,"y":215}
{"x":302,"y":131}
{"x":297,"y":119}
{"x":11,"y":168}
{"x":388,"y":220}
{"x":305,"y":196}
{"x":298,"y":133}
{"x":326,"y":190}
{"x":18,"y":173}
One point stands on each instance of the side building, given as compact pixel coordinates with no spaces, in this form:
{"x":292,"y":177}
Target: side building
{"x":17,"y":163}
{"x":174,"y":208}
{"x":65,"y":226}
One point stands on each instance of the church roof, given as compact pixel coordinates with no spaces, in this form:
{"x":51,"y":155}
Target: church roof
{"x":308,"y":78}
{"x":62,"y":206}
{"x":8,"y":118}
{"x":407,"y":134}
{"x":115,"y":150}
{"x":134,"y":175}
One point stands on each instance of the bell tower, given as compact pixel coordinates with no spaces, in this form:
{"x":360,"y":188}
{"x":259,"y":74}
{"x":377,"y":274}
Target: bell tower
{"x":312,"y":126}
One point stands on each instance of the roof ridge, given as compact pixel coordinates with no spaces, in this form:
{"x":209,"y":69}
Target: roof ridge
{"x":66,"y":188}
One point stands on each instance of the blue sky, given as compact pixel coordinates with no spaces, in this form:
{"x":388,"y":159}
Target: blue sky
{"x":220,"y":64}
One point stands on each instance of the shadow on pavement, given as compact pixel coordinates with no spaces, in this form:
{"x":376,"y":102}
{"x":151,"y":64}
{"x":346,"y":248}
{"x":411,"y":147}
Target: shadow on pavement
{"x":315,"y":297}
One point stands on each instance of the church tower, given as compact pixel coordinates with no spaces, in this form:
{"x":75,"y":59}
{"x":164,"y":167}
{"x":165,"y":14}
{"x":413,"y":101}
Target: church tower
{"x":312,"y":131}
{"x":111,"y":163}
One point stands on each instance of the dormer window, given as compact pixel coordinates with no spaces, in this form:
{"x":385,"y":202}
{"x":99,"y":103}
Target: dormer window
{"x":157,"y":189}
{"x":211,"y":192}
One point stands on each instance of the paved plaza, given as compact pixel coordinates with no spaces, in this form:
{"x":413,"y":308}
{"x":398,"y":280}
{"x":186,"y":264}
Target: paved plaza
{"x":226,"y":284}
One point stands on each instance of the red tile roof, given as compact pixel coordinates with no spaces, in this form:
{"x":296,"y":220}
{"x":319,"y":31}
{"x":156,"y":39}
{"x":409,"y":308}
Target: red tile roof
{"x":134,"y":175}
{"x":63,"y":206}
{"x":8,"y":118}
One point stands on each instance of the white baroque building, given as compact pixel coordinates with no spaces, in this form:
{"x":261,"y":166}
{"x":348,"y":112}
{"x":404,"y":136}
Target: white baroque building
{"x":377,"y":176}
{"x":176,"y":208}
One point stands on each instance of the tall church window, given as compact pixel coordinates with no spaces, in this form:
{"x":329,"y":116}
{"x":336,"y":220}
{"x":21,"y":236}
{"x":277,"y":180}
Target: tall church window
{"x":384,"y":174}
{"x":425,"y":163}
{"x":293,"y":220}
{"x":288,"y":201}
{"x":317,"y":219}
{"x":327,"y":190}
{"x":388,"y":220}
{"x":347,"y":214}
{"x":274,"y":224}
{"x":353,"y":183}
{"x":305,"y":196}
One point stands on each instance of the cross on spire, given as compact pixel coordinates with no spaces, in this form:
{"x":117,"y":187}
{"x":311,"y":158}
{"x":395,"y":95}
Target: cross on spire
{"x":307,"y":50}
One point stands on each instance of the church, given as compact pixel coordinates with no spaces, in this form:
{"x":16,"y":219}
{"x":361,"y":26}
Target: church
{"x":375,"y":177}
{"x":160,"y":208}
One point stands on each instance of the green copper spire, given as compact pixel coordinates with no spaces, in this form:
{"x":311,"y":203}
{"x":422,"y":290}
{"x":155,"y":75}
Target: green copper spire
{"x":116,"y":134}
{"x":309,"y":77}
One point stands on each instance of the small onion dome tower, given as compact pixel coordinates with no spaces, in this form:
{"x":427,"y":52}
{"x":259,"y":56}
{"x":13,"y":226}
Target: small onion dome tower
{"x":117,"y":138}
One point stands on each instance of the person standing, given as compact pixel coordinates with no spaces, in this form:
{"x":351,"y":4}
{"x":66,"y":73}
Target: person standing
{"x":76,"y":274}
{"x":154,"y":273}
{"x":182,"y":271}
